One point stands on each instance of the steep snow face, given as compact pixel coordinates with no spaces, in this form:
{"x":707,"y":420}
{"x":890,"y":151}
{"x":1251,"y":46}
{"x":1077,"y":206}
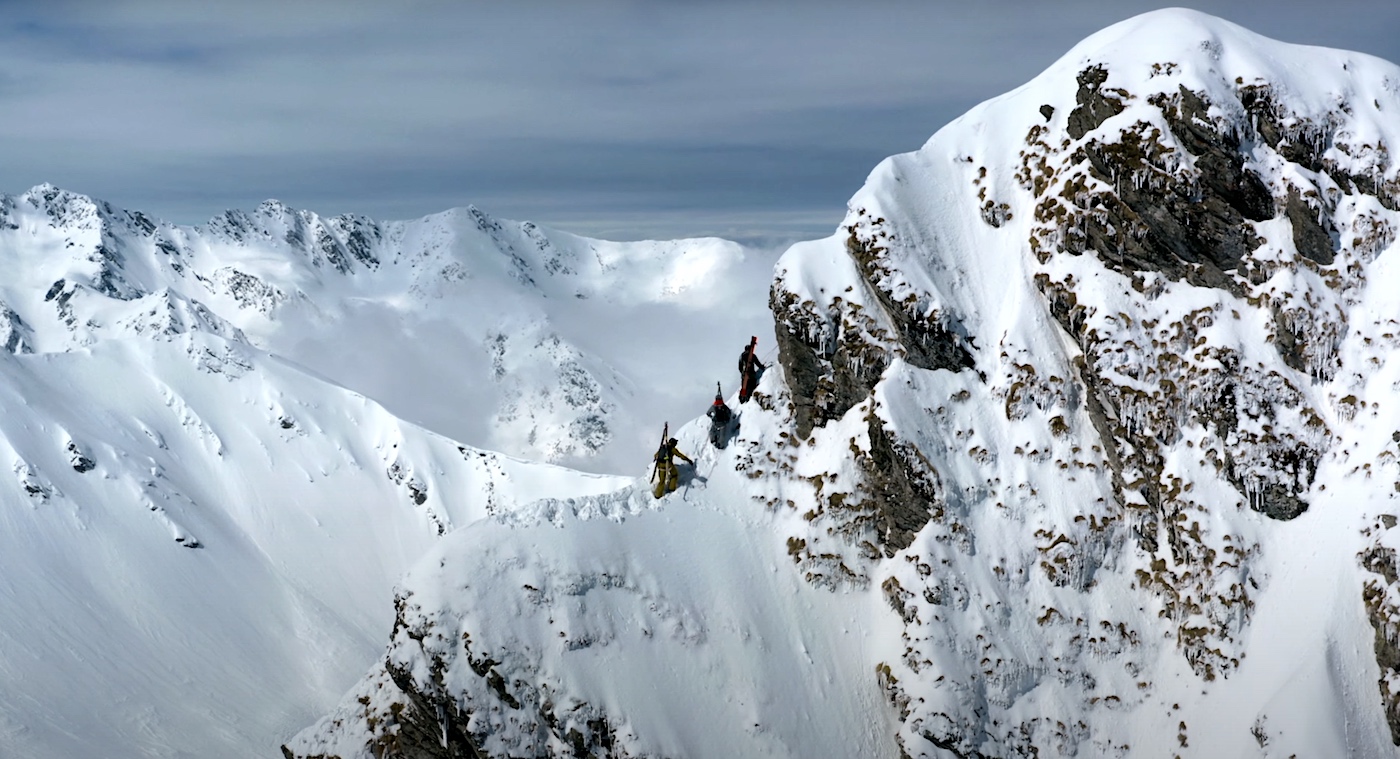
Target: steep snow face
{"x":200,"y":541}
{"x":530,"y":341}
{"x":1081,"y":443}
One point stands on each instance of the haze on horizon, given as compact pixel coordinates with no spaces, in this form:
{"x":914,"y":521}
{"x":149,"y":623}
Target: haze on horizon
{"x":623,"y":120}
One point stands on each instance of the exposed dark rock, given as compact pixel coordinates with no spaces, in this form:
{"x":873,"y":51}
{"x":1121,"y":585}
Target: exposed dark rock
{"x":360,"y":237}
{"x":1278,"y":502}
{"x":7,"y":207}
{"x":1287,"y":344}
{"x":249,"y":291}
{"x":1095,"y":104}
{"x":1385,"y":621}
{"x":168,"y":248}
{"x":328,"y":249}
{"x":233,"y":225}
{"x":15,"y":335}
{"x":827,"y":374}
{"x":80,"y":461}
{"x":1195,"y":226}
{"x":1189,"y":230}
{"x":927,"y":342}
{"x":903,"y":487}
{"x":110,"y":280}
{"x":430,"y":727}
{"x":802,"y":369}
{"x":833,"y":360}
{"x":1310,"y":237}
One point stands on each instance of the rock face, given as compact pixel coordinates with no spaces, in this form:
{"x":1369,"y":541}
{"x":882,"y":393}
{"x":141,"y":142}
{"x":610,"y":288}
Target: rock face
{"x":1382,"y":597}
{"x":403,"y":711}
{"x":833,"y":356}
{"x":1203,"y":244}
{"x":1075,"y":393}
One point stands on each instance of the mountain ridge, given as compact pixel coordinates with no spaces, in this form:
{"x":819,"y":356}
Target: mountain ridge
{"x":479,"y":288}
{"x":207,"y":493}
{"x":1080,"y":437}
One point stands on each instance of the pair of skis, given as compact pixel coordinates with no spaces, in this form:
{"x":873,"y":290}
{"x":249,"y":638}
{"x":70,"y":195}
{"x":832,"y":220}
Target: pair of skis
{"x":656,"y":460}
{"x":749,"y":370}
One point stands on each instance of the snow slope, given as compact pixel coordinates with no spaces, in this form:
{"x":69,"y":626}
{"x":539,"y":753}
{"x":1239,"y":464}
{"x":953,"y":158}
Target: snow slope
{"x":678,"y":622}
{"x":1083,"y":444}
{"x":197,"y":537}
{"x":206,"y":497}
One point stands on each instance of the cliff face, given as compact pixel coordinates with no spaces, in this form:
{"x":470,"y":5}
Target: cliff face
{"x":1092,"y":398}
{"x":1200,"y":233}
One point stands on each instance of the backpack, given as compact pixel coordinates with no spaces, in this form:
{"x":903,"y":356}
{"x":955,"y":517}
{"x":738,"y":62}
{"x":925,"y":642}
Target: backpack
{"x":720,"y":414}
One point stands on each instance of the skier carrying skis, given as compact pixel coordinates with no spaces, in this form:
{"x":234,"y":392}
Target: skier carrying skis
{"x":665,"y":465}
{"x":749,"y":369}
{"x":720,"y":416}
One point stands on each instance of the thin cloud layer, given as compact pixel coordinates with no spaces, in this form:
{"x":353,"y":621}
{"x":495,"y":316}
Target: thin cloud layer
{"x":644,"y":119}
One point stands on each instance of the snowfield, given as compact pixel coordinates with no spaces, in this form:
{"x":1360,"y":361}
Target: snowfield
{"x":197,"y":538}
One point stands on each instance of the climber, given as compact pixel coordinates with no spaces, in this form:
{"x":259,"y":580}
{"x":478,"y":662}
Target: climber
{"x":750,"y":369}
{"x":665,"y":465}
{"x":720,"y":416}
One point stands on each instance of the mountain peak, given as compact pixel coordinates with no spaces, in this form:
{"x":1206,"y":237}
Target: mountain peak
{"x":1086,"y":401}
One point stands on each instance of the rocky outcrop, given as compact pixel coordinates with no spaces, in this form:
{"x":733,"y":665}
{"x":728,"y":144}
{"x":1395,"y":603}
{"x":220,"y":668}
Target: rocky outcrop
{"x":389,"y":723}
{"x":440,"y":695}
{"x":1381,"y":595}
{"x":1193,"y":228}
{"x":901,"y":487}
{"x":832,"y":355}
{"x":15,"y":335}
{"x":1183,"y":205}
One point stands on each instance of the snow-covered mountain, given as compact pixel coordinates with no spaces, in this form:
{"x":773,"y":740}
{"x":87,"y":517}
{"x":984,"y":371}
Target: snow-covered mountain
{"x":211,"y":487}
{"x":1082,"y":443}
{"x":508,"y":335}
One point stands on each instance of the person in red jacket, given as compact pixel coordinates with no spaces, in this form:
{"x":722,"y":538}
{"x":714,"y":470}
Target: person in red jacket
{"x":720,"y":416}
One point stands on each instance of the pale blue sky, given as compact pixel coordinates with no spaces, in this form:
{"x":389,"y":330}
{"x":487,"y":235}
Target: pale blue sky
{"x":751,"y":120}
